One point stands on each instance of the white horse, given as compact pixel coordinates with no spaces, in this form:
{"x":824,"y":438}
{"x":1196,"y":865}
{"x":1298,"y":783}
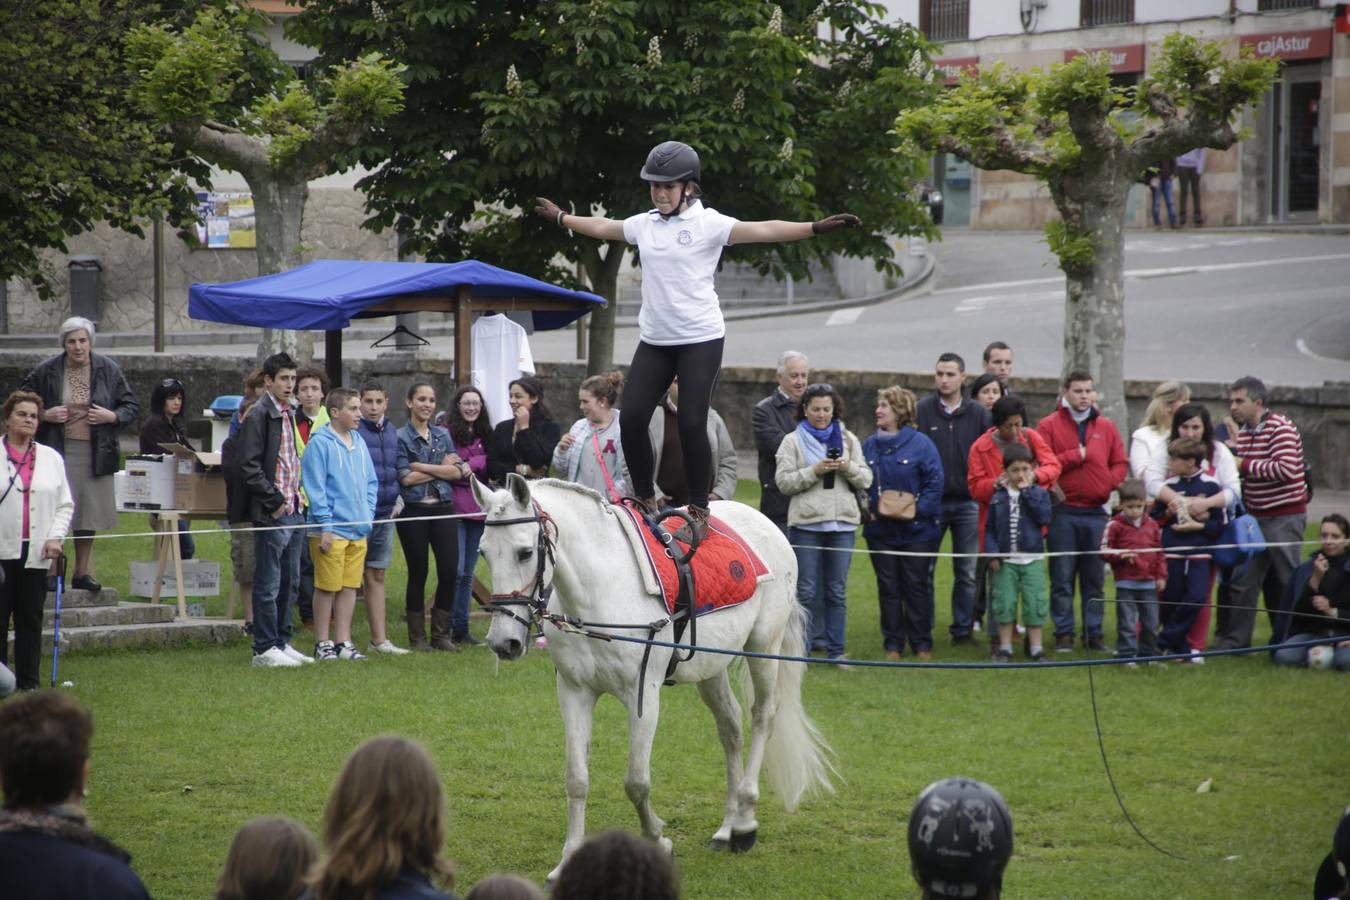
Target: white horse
{"x":553,"y":548}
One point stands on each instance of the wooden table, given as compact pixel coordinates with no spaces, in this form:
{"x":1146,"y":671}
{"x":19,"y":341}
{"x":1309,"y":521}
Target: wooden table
{"x":166,"y":546}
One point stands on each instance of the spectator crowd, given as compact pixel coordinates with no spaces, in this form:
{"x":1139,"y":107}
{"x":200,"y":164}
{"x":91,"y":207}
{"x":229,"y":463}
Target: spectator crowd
{"x":321,"y":483}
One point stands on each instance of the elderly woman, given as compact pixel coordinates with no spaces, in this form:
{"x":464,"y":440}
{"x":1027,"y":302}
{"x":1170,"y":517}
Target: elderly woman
{"x":906,"y":503}
{"x":820,"y":469}
{"x":35,"y":512}
{"x":86,"y":402}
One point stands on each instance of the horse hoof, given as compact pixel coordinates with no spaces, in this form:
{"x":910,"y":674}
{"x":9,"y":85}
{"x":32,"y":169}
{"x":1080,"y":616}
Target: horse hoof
{"x":718,"y":845}
{"x":743,"y":843}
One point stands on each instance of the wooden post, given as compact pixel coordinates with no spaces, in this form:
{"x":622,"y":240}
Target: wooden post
{"x":463,"y":335}
{"x":332,"y":356}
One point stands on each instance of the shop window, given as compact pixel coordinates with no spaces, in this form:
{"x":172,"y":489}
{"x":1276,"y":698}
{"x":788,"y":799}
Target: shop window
{"x":1106,"y":12}
{"x":945,"y":20}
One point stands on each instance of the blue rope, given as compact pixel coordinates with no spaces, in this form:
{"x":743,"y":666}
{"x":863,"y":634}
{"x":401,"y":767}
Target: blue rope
{"x":888,"y":664}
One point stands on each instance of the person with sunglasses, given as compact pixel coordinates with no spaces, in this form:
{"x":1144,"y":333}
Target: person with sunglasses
{"x":680,"y":324}
{"x":821,"y":468}
{"x":168,"y":425}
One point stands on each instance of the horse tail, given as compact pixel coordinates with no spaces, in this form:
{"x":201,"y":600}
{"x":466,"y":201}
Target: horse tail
{"x":798,"y":761}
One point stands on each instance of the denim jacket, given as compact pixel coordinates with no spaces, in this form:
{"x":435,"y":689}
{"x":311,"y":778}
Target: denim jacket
{"x":412,"y":447}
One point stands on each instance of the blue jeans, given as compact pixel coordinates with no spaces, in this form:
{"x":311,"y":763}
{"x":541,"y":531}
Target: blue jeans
{"x":1298,"y":656}
{"x":470,"y":533}
{"x":822,"y":579}
{"x":1077,"y":529}
{"x":276,"y":581}
{"x":1164,"y":189}
{"x":962,"y":517}
{"x":304,"y":595}
{"x":905,"y":595}
{"x":1136,"y":608}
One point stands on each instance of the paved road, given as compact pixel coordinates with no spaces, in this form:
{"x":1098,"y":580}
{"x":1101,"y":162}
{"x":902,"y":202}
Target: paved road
{"x":1201,"y":305}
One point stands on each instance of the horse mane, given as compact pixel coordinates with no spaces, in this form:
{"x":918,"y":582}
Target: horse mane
{"x":573,"y":487}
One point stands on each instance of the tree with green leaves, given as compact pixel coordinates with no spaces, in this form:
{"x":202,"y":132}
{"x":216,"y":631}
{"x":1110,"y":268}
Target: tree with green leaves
{"x":222,"y":96}
{"x":512,"y":100}
{"x":1089,"y":141}
{"x":74,"y":150}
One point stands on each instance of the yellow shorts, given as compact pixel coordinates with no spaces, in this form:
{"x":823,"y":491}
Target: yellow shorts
{"x":341,"y":567}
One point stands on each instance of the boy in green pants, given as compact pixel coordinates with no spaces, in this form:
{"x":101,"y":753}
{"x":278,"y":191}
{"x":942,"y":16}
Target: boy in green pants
{"x":1018,"y":514}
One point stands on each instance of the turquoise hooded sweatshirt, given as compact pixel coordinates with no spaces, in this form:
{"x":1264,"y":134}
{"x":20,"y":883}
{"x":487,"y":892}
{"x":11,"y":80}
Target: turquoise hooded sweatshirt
{"x":340,"y":482}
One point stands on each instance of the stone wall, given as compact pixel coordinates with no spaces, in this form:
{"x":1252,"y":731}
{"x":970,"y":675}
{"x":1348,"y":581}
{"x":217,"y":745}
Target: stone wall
{"x":1323,"y":414}
{"x":332,"y":230}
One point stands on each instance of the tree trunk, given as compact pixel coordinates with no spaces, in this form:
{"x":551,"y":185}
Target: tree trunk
{"x":604,"y":275}
{"x":1094,"y":304}
{"x":279,"y":205}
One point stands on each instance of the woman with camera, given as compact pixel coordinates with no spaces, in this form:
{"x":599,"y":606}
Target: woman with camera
{"x":820,"y":470}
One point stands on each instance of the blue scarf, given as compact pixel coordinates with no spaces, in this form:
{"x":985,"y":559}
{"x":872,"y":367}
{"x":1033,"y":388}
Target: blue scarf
{"x":813,"y":451}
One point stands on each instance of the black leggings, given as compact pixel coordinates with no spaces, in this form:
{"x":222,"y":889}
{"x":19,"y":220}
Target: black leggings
{"x":418,"y":535}
{"x":22,"y":596}
{"x":654,"y":368}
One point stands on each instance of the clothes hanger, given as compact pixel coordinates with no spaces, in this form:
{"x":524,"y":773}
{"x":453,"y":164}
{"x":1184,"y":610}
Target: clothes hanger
{"x":401,"y":331}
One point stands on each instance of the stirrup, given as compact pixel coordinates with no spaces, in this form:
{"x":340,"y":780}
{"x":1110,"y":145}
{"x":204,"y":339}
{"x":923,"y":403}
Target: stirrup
{"x":697,"y":526}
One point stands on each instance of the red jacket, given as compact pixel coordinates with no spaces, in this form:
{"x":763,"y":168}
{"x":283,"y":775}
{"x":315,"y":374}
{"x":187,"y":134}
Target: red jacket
{"x":986,"y":465}
{"x":1086,"y":481}
{"x":1121,"y":534}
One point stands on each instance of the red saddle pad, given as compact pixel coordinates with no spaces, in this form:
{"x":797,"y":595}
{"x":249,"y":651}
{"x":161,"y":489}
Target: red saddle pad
{"x":726,"y":570}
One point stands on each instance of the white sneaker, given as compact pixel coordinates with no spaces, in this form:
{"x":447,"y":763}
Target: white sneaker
{"x":1196,"y":658}
{"x":273,"y":658}
{"x":325,"y":651}
{"x":389,"y":647}
{"x":296,"y":655}
{"x":347,"y":650}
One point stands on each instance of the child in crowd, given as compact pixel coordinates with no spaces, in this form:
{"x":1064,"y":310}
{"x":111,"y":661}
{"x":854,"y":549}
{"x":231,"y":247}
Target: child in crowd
{"x":310,"y":414}
{"x":1132,"y":545}
{"x":384,"y":826}
{"x":339,"y":478}
{"x":1188,"y":560}
{"x":505,"y":887}
{"x":1018,"y":514}
{"x":617,"y":865}
{"x":381,"y":439}
{"x":269,"y":859}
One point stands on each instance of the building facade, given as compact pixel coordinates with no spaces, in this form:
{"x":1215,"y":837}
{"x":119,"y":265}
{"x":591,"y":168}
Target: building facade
{"x":1293,"y":168}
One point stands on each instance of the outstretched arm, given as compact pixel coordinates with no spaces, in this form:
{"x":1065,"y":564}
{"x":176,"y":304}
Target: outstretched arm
{"x":778,"y":231}
{"x":591,"y":226}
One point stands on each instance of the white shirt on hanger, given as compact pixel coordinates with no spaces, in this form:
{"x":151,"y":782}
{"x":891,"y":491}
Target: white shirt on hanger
{"x":501,"y":354}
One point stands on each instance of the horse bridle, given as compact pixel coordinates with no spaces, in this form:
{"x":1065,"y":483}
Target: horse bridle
{"x":534,"y":596}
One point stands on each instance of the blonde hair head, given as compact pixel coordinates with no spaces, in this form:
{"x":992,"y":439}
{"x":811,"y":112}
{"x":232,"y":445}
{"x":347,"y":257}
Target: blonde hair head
{"x":1157,"y":416}
{"x":902,"y":401}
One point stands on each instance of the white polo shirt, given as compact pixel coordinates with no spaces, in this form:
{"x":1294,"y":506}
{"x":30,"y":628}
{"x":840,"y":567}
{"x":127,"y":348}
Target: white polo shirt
{"x":679,"y":258}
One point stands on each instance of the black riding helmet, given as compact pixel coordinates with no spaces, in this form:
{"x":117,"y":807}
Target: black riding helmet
{"x":672,"y":161}
{"x":960,"y":838}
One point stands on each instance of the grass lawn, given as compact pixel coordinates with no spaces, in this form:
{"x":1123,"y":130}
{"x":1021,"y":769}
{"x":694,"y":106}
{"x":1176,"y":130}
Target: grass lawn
{"x":193,"y":742}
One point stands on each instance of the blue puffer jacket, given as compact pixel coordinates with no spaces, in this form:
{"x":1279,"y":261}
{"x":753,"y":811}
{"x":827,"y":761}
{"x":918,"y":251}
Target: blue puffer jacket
{"x":905,"y":461}
{"x":1034,"y":503}
{"x":382,"y":442}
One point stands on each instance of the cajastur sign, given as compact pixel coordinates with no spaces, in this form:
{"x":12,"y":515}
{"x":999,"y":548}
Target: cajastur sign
{"x":1312,"y":44}
{"x":1129,"y":58}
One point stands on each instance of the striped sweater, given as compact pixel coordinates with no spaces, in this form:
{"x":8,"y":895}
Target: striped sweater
{"x":1272,"y":467}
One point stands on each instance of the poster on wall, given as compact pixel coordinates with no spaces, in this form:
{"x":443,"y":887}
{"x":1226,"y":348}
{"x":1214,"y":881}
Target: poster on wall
{"x":225,"y":220}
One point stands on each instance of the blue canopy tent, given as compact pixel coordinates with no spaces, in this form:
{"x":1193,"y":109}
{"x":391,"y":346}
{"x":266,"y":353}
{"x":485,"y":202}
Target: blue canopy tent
{"x":328,"y":293}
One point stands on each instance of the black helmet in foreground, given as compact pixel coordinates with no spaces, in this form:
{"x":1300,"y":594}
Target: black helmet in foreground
{"x":671,"y":161}
{"x":960,"y":838}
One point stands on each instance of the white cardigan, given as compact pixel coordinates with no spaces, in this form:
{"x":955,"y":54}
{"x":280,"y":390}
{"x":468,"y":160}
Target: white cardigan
{"x":50,"y":507}
{"x":808,"y":501}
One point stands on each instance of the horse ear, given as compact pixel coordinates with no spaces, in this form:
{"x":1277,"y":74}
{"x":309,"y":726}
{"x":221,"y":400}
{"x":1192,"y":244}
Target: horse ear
{"x":482,"y":494}
{"x":519,"y":488}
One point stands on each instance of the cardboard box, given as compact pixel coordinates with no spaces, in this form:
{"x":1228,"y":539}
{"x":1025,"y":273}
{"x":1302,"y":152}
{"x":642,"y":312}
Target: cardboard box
{"x":201,"y":578}
{"x":198,"y":484}
{"x":146,"y":483}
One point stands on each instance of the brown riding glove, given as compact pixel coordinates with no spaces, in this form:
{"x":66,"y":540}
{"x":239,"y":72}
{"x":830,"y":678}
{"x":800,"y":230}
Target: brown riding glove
{"x":838,"y":220}
{"x":549,"y":210}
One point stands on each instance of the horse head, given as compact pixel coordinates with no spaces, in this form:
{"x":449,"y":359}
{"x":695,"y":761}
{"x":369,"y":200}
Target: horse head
{"x":518,"y":546}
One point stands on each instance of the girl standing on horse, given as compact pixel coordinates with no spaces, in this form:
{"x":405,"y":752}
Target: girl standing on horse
{"x":680,"y":325}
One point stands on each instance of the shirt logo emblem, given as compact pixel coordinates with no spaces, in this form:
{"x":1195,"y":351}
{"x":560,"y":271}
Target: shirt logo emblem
{"x":685,"y":238}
